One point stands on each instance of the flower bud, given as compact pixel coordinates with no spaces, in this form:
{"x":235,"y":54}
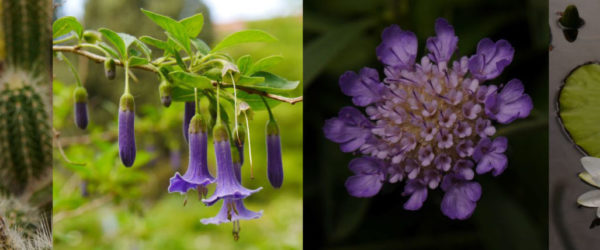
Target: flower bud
{"x":274,"y":163}
{"x":165,"y":90}
{"x":110,"y":69}
{"x":126,"y":130}
{"x":81,"y":114}
{"x":91,"y":36}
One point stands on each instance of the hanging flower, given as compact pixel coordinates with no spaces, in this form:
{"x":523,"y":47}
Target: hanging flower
{"x":197,"y":175}
{"x":428,"y":123}
{"x":126,"y":130}
{"x":591,"y":176}
{"x":228,"y":186}
{"x":81,"y":111}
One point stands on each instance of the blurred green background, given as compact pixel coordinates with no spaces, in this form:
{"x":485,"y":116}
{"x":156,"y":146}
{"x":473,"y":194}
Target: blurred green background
{"x":341,"y":35}
{"x":129,"y":208}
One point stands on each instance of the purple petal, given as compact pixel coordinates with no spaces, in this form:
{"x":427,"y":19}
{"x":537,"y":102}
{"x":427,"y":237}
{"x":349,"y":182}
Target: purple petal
{"x":398,"y":48}
{"x":508,"y":105}
{"x":490,"y":156}
{"x":364,"y":88}
{"x":368,"y":179}
{"x":443,"y":45}
{"x":418,"y":195}
{"x":197,"y":173}
{"x":228,"y":185}
{"x":460,"y":200}
{"x":491,"y":59}
{"x":81,"y":115}
{"x":227,"y":214}
{"x":351,"y":129}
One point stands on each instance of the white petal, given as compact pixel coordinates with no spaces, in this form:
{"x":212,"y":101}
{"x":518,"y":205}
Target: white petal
{"x":590,"y":199}
{"x":592,"y":165}
{"x":587,"y":178}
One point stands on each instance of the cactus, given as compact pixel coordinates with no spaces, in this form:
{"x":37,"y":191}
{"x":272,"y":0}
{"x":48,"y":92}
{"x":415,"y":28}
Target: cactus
{"x":28,"y":34}
{"x":25,"y":136}
{"x":25,"y":140}
{"x":22,"y":227}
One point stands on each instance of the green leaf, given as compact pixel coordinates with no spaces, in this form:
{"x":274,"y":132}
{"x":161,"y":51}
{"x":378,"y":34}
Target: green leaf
{"x":175,"y":52}
{"x":108,"y":49}
{"x":173,"y":28}
{"x":246,"y":36}
{"x":64,"y":25}
{"x":272,"y":83}
{"x":154,"y":42}
{"x":201,"y":46}
{"x":265,"y":63}
{"x":142,"y":46}
{"x":193,"y":25}
{"x":180,"y":94}
{"x":134,"y":61}
{"x":190,"y":80}
{"x":579,"y":107}
{"x":255,"y":101}
{"x":116,"y":40}
{"x":249,"y":80}
{"x":244,"y":63}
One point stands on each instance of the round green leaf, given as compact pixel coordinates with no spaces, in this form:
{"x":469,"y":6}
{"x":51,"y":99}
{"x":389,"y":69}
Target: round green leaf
{"x":579,"y":107}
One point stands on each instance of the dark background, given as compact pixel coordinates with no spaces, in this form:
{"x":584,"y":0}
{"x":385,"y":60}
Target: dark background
{"x":341,"y":35}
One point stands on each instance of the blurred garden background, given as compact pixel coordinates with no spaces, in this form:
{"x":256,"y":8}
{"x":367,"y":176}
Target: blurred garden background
{"x":104,"y":205}
{"x":341,"y":35}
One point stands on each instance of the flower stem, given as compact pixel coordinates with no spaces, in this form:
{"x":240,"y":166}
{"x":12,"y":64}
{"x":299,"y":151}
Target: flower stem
{"x":72,"y":68}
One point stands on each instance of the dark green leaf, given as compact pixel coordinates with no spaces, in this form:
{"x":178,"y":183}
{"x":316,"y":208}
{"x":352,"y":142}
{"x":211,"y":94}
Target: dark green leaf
{"x":255,"y":101}
{"x":64,"y":25}
{"x":193,"y":25}
{"x":246,"y":36}
{"x":182,"y":95}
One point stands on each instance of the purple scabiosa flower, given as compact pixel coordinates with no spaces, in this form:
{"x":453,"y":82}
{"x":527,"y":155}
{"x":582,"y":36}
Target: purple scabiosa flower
{"x":188,"y":113}
{"x":81,"y":111}
{"x":429,"y":123}
{"x":228,"y":186}
{"x":126,"y":130}
{"x":274,"y":164}
{"x":197,"y":175}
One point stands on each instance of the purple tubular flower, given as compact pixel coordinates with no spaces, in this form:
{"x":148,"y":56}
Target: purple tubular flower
{"x":461,"y":197}
{"x":188,"y":113}
{"x":274,"y":163}
{"x":126,"y":130}
{"x":368,"y":177}
{"x":228,"y":186}
{"x":81,"y":111}
{"x":351,"y":129}
{"x":491,"y":59}
{"x":364,"y":88}
{"x":443,"y":45}
{"x":490,"y":156}
{"x":508,"y":105}
{"x":398,"y":48}
{"x":197,"y":173}
{"x":232,"y":210}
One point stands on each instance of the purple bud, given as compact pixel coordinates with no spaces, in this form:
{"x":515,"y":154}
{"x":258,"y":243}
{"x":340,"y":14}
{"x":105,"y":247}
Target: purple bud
{"x":274,"y":164}
{"x":190,"y":110}
{"x":197,"y":173}
{"x":126,"y":130}
{"x":228,"y":186}
{"x":81,"y":112}
{"x":164,"y":90}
